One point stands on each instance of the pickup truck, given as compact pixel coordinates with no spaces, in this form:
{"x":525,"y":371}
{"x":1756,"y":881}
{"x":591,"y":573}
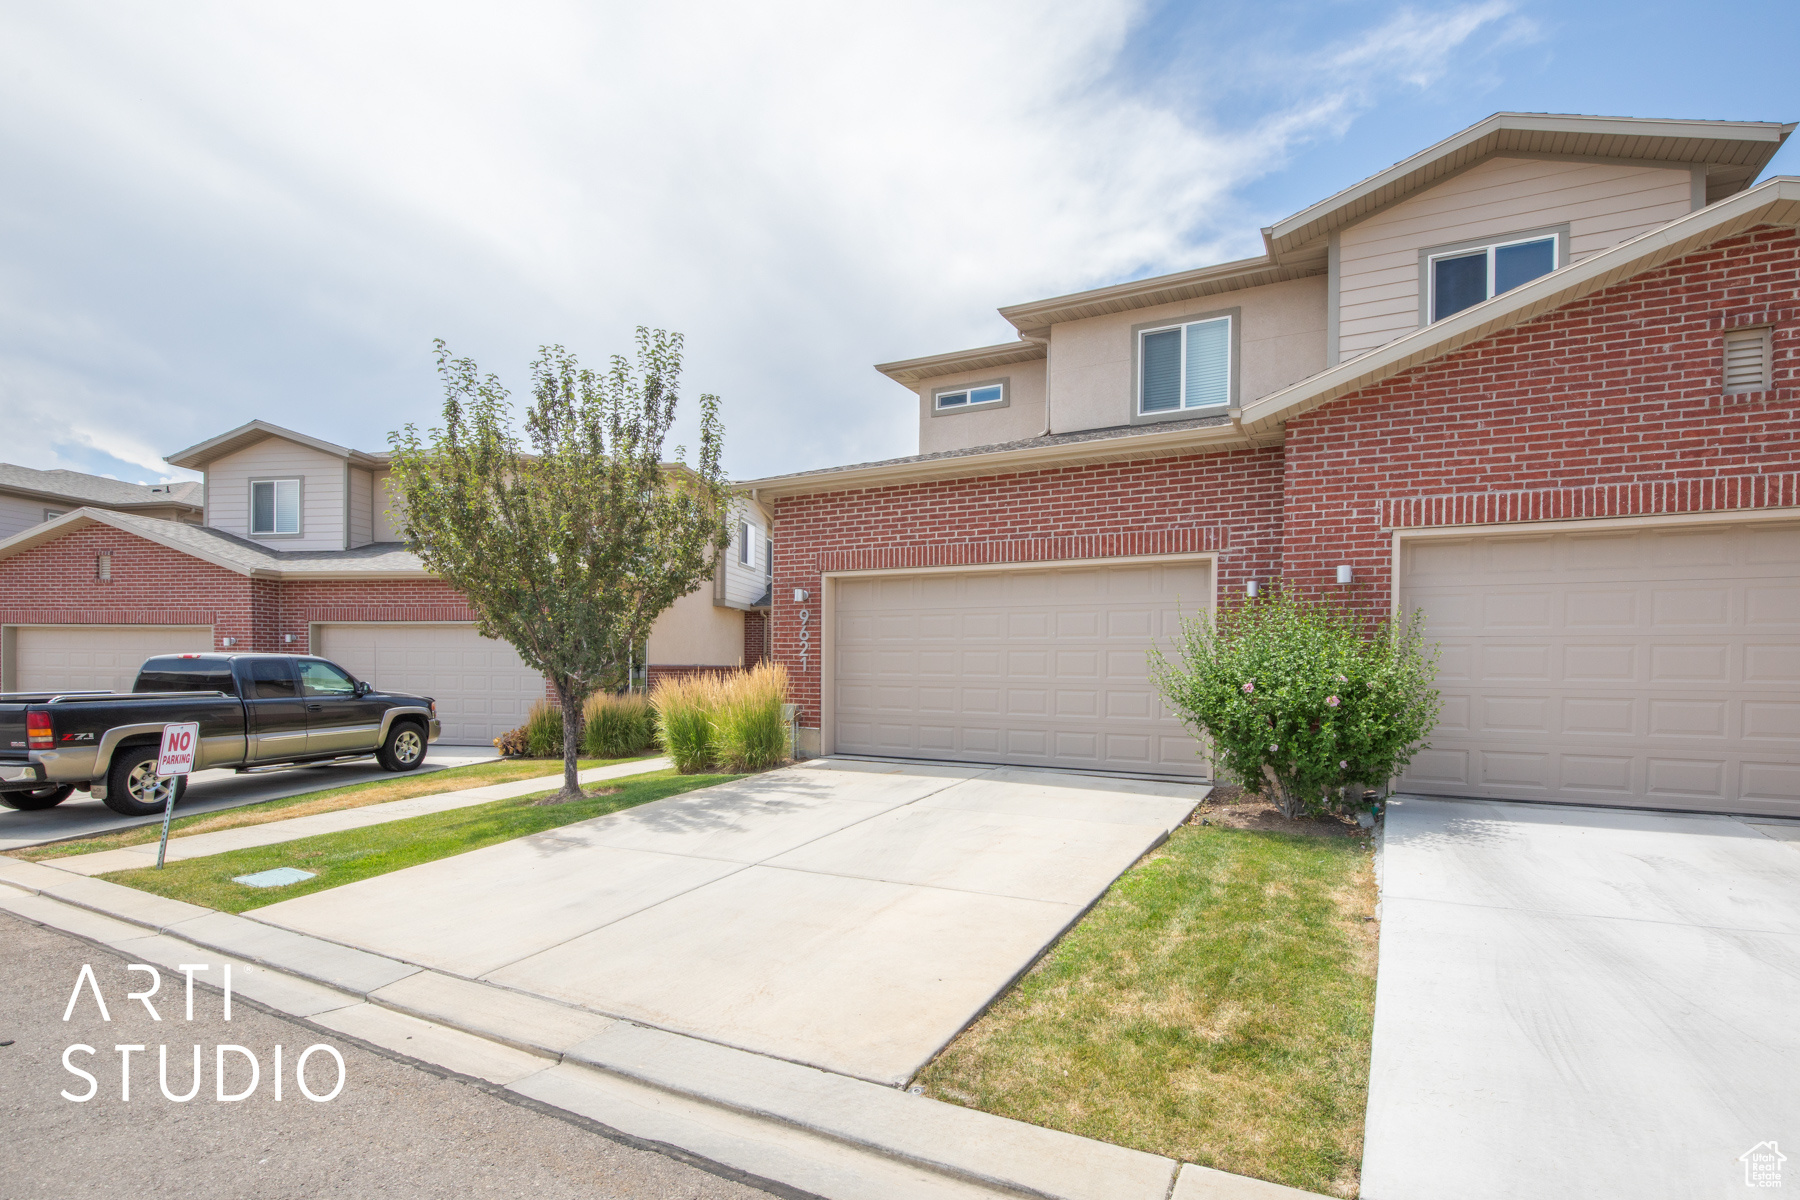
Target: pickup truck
{"x":254,"y":710}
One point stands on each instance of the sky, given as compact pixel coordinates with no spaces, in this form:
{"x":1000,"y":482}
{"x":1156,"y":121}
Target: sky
{"x":219,"y":212}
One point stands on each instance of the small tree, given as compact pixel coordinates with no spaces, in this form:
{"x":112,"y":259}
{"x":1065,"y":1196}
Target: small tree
{"x":1299,"y":698}
{"x":570,"y":543}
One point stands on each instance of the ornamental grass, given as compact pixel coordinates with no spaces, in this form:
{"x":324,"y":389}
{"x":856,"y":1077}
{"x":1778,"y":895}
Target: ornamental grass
{"x":615,"y":726}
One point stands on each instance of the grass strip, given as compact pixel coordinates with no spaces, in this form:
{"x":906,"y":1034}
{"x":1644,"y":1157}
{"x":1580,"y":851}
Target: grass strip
{"x":353,"y":854}
{"x":380,"y":791}
{"x":1215,"y":1007}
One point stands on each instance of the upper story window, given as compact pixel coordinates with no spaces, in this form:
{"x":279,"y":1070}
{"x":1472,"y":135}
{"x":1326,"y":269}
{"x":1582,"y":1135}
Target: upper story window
{"x":274,"y":506}
{"x":1465,"y":277}
{"x":1184,"y":366}
{"x":969,"y":397}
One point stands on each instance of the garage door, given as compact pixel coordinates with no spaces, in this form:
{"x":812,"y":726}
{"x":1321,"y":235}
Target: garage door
{"x":78,"y":658}
{"x":481,"y":687}
{"x":1034,"y":667}
{"x":1653,"y":667}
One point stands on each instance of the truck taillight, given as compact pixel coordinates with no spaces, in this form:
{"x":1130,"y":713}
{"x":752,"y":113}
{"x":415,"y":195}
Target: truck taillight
{"x":37,"y":731}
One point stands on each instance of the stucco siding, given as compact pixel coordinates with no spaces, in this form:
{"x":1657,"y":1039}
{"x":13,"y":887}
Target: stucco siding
{"x":1603,"y":204}
{"x":321,"y":492}
{"x":385,"y":528}
{"x":695,"y":632}
{"x":1281,"y":341}
{"x":958,"y":429}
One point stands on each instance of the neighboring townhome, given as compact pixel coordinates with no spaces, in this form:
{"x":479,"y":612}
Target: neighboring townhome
{"x":30,"y":497}
{"x":296,"y":552}
{"x":1537,"y":381}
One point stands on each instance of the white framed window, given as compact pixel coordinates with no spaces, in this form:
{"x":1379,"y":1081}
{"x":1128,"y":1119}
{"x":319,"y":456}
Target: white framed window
{"x":274,"y":507}
{"x":746,"y":544}
{"x":1184,"y":366}
{"x":768,"y":557}
{"x":50,"y":514}
{"x":1464,"y":278}
{"x":969,"y":397}
{"x":1749,"y":360}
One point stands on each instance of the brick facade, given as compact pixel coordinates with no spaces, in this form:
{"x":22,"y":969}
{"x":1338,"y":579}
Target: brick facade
{"x":1611,"y":405}
{"x":756,"y":637}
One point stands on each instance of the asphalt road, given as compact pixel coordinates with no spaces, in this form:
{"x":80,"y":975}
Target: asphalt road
{"x":395,"y":1130}
{"x":209,"y":791}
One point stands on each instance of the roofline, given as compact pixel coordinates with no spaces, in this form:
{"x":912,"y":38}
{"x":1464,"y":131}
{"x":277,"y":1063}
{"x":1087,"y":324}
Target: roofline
{"x":49,"y":531}
{"x":196,"y":457}
{"x":1202,"y":440}
{"x":90,"y":502}
{"x":1773,"y":202}
{"x":1036,"y":316}
{"x":1770,"y":132}
{"x":914,"y":370}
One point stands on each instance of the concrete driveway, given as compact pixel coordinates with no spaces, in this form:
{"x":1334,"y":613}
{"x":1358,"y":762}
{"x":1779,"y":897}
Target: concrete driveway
{"x":1581,"y":1002}
{"x":210,"y":791}
{"x":849,"y":915}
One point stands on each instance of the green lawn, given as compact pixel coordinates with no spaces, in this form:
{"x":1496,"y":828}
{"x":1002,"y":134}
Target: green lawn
{"x":1214,"y":1007}
{"x":340,"y":858}
{"x":402,"y":786}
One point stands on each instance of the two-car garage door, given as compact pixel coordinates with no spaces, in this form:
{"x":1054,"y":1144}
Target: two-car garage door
{"x":1040,"y":667}
{"x":1655,"y":666}
{"x":90,"y":658}
{"x":482,"y":688}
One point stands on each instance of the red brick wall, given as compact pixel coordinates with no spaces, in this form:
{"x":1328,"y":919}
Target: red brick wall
{"x":1225,"y":502}
{"x":1609,"y":406}
{"x":756,"y":633}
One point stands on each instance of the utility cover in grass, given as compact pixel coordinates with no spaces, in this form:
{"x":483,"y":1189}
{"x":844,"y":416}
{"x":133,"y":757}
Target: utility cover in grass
{"x":275,"y":877}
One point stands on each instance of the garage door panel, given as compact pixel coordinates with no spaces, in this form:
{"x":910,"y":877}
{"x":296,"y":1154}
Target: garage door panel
{"x":1668,"y":675}
{"x":86,"y":658}
{"x":1044,"y":667}
{"x":482,"y":687}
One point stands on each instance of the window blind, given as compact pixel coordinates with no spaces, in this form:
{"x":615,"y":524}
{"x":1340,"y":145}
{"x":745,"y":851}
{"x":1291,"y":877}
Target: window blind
{"x":1209,"y":363}
{"x":1162,"y":371}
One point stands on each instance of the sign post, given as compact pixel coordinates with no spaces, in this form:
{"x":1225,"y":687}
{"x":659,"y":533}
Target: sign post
{"x":175,"y":759}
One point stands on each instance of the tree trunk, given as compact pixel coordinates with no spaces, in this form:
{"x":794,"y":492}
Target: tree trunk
{"x":1285,"y":798}
{"x":571,"y":715}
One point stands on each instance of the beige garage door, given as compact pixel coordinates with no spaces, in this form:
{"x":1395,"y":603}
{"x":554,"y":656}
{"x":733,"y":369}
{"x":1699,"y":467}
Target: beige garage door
{"x":79,"y":658}
{"x":1657,"y":667}
{"x":481,"y":687}
{"x":1034,"y":667}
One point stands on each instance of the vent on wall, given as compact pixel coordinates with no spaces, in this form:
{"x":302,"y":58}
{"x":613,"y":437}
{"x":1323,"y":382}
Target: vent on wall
{"x":103,"y":566}
{"x":1749,"y":362}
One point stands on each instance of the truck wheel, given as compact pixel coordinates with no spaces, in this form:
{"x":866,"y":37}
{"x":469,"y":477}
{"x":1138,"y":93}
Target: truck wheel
{"x":34,"y":799}
{"x":132,"y":787}
{"x":404,"y":749}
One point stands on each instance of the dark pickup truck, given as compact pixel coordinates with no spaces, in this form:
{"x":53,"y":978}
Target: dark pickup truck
{"x":254,"y":710}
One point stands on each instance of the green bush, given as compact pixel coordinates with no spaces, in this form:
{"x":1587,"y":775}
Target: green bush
{"x":544,"y":730}
{"x":684,"y":711}
{"x":748,"y":726}
{"x":615,"y":726}
{"x":1299,"y":698}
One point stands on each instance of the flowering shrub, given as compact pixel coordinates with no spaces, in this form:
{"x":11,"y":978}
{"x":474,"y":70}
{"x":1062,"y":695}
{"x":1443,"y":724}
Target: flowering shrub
{"x":1299,"y":698}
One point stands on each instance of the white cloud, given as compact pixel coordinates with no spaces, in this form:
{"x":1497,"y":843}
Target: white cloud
{"x":270,"y":210}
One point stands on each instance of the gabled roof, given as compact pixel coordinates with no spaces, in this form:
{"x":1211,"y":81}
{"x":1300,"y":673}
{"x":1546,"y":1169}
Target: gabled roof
{"x":383,"y":560}
{"x":1260,"y":421}
{"x":196,"y":457}
{"x":80,"y":488}
{"x":1733,"y":152}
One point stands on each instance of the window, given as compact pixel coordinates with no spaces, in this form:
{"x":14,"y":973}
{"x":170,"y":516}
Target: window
{"x":275,"y":506}
{"x":50,"y":514}
{"x":272,"y":679}
{"x":768,"y":557}
{"x":969,"y":397}
{"x":1749,"y":365}
{"x":175,"y":673}
{"x":1185,"y":366}
{"x":322,"y":679}
{"x":746,"y":544}
{"x":1464,"y":278}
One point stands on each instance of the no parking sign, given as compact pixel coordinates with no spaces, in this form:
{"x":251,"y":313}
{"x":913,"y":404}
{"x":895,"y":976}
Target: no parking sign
{"x":175,"y":758}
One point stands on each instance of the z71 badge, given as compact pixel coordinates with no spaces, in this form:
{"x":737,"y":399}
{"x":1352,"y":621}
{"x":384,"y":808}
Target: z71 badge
{"x":77,"y":737}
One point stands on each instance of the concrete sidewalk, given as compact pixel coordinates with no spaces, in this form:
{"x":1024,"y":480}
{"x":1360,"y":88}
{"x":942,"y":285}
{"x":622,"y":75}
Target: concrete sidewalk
{"x":271,"y":833}
{"x":1578,"y":1002}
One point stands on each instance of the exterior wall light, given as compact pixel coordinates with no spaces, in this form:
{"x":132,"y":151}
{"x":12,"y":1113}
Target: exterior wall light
{"x":801,"y":595}
{"x":1346,"y":574}
{"x":287,"y":638}
{"x":227,"y":641}
{"x":1252,"y":589}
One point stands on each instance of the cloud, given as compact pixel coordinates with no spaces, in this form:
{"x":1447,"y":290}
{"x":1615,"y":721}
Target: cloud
{"x":269,"y":211}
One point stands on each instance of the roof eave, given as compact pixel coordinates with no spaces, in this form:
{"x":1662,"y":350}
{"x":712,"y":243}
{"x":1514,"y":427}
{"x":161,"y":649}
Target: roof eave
{"x":912,"y":371}
{"x":195,"y":457}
